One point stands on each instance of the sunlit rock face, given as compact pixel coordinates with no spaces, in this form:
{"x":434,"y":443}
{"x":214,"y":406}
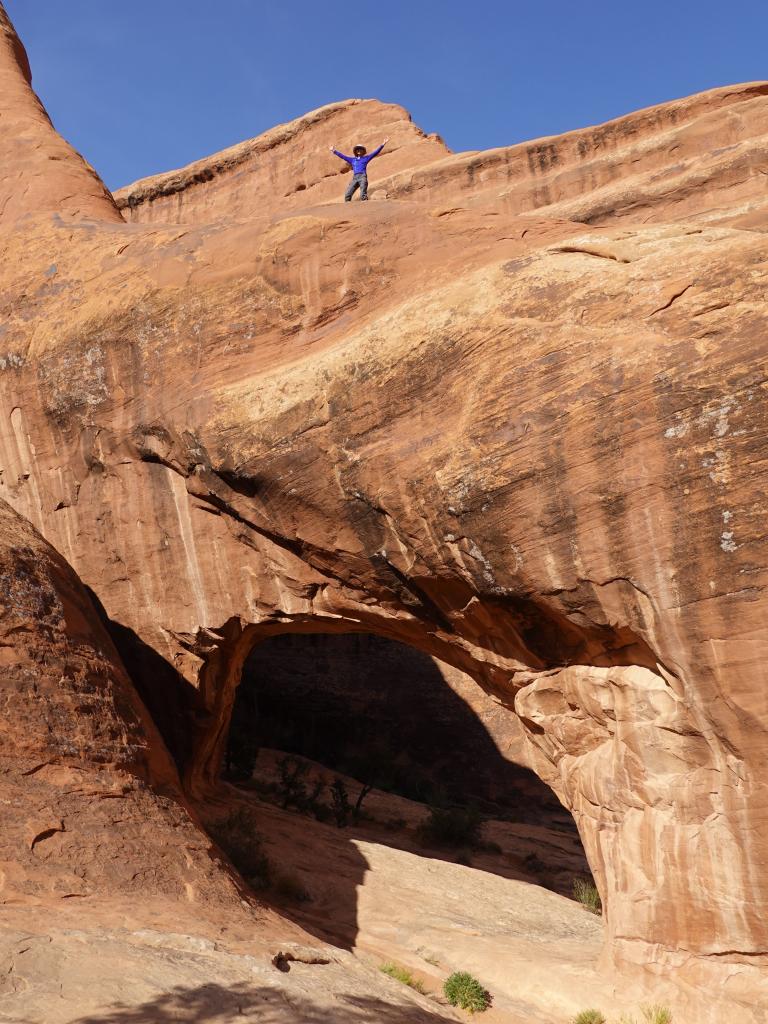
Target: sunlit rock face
{"x":521,"y":432}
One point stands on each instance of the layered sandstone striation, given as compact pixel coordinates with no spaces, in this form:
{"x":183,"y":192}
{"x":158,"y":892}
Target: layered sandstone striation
{"x":525,"y":434}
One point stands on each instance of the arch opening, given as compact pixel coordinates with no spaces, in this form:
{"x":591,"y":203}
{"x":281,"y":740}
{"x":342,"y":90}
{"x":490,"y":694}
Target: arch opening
{"x":436,"y":763}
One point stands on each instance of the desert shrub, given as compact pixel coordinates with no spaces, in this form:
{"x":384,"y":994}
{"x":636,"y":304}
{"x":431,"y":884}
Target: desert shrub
{"x":466,"y":992}
{"x":589,"y":1017}
{"x":291,"y":888}
{"x":357,"y":811}
{"x":340,"y":804}
{"x":402,"y":975}
{"x":311,"y":800}
{"x":322,"y":812}
{"x":451,"y":826}
{"x":656,"y":1014}
{"x":237,"y":836}
{"x":534,"y":864}
{"x":585,"y":891}
{"x":292,"y":786}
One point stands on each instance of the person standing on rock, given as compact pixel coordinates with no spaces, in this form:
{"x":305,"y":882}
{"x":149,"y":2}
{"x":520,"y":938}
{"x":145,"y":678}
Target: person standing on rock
{"x":359,"y":163}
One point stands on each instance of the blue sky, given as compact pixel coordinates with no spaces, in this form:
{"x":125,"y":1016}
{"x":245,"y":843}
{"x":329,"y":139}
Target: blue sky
{"x":144,"y":86}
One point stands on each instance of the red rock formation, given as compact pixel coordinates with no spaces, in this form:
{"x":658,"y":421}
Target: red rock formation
{"x":288,"y":167}
{"x":40,"y":173}
{"x":95,"y":797}
{"x":530,"y":447}
{"x":702,"y":158}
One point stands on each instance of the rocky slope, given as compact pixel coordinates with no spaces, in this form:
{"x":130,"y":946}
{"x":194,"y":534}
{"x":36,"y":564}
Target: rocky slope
{"x":116,"y":906}
{"x":382,"y":892}
{"x":522,"y":432}
{"x":288,"y":167}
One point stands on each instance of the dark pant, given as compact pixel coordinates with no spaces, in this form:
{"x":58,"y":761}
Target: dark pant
{"x":359,"y":181}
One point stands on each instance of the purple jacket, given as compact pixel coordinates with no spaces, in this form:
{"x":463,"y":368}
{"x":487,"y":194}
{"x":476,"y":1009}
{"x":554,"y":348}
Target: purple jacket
{"x":359,"y":164}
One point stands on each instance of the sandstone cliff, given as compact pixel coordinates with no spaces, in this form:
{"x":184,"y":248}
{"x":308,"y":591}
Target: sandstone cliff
{"x":524,"y":432}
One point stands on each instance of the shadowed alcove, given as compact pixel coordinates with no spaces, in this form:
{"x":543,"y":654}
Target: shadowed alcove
{"x":359,"y":713}
{"x":388,"y":714}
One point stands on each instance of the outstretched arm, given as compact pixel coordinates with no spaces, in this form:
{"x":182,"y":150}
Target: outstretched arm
{"x":341,"y":155}
{"x":377,"y":151}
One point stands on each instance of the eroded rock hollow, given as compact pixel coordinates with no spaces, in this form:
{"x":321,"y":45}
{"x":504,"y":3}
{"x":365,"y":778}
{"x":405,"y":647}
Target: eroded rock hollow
{"x":511,"y":412}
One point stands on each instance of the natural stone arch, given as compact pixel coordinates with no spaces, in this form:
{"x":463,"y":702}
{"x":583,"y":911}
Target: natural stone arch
{"x":605,"y":737}
{"x":224,"y":670}
{"x":552,"y":702}
{"x":226,"y":432}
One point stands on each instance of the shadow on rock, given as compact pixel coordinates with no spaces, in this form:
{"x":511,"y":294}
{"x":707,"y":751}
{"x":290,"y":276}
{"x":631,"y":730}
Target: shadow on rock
{"x":174,"y":704}
{"x":385,"y":713}
{"x":389,"y":716}
{"x":219,"y":1004}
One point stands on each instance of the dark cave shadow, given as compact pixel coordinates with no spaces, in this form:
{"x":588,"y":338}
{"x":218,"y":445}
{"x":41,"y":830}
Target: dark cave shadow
{"x":173,"y":704}
{"x":350,"y":702}
{"x":220,"y":1004}
{"x":366,"y":705}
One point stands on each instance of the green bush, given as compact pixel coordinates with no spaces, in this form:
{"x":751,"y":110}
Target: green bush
{"x":585,"y":891}
{"x":466,"y":992}
{"x":589,"y":1017}
{"x":656,"y":1014}
{"x":237,"y":836}
{"x":451,"y":826}
{"x":402,"y":975}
